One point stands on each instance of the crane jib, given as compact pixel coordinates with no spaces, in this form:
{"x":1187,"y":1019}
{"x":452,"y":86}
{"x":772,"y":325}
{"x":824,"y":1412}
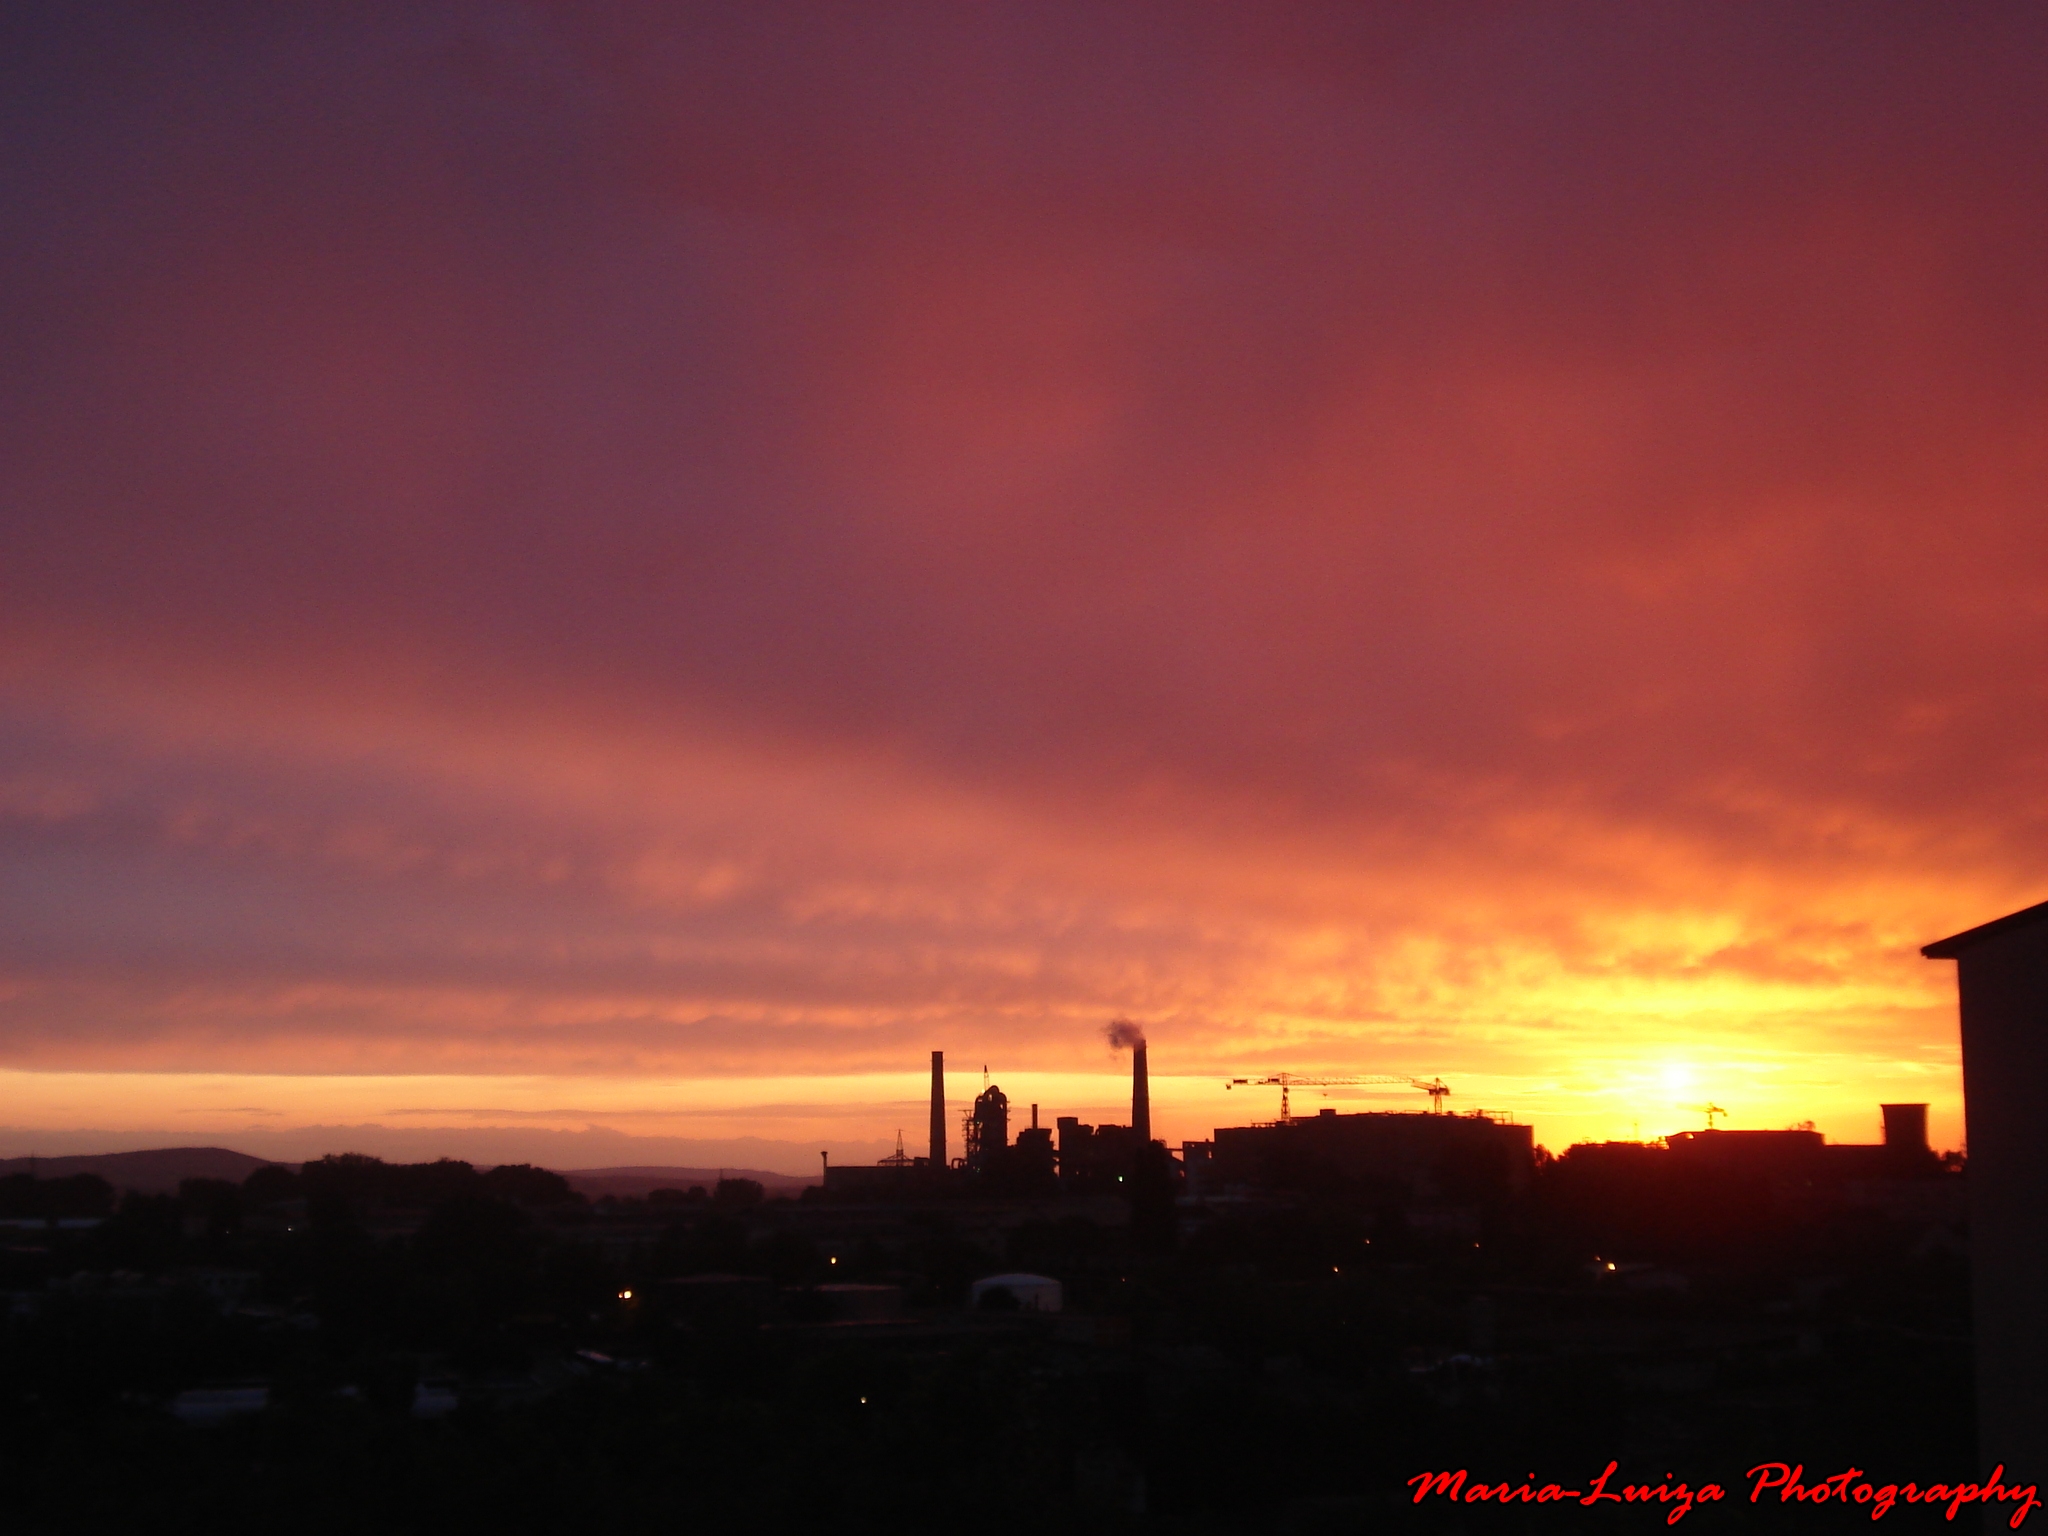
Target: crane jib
{"x":1286,"y":1082}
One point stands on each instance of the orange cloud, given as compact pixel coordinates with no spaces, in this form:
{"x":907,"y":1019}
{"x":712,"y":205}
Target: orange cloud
{"x":618,"y":549}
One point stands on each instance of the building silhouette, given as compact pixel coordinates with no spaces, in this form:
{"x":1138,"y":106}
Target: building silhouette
{"x":988,"y":1130}
{"x":1430,"y":1157}
{"x":2002,"y":982}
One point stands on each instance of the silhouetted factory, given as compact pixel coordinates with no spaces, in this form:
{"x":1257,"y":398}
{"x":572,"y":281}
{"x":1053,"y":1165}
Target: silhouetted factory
{"x":1796,"y":1157}
{"x":1426,"y":1157}
{"x":1430,"y":1156}
{"x":1441,"y":1171}
{"x":990,"y":1162}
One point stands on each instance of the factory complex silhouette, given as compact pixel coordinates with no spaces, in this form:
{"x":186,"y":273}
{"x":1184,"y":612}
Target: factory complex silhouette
{"x":1243,"y":1333}
{"x":1444,"y":1170}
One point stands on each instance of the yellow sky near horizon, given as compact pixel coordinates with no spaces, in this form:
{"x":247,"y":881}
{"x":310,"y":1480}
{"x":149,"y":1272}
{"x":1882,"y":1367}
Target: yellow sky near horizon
{"x":1494,"y":546}
{"x":1607,"y":1102}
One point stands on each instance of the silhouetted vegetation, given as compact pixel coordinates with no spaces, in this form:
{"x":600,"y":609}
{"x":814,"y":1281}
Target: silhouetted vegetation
{"x":442,"y":1349}
{"x":80,"y":1195}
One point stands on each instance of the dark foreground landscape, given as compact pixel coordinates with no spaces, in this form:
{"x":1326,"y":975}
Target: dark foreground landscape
{"x":358,"y":1346}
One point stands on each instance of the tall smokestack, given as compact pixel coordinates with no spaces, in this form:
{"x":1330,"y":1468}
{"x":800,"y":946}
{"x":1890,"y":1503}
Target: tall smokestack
{"x":1122,"y":1033}
{"x":938,"y":1109}
{"x":1141,"y":1096}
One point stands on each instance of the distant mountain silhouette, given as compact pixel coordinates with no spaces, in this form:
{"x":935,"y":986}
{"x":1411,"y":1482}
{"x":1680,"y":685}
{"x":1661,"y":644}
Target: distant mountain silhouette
{"x":160,"y":1171}
{"x":631,"y":1182}
{"x":152,"y":1173}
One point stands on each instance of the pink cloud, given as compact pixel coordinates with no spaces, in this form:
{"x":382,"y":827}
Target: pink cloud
{"x":685,"y":539}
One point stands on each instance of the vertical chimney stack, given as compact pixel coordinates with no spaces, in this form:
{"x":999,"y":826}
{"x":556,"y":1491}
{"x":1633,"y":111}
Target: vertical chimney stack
{"x":1141,"y":1096}
{"x":938,"y":1109}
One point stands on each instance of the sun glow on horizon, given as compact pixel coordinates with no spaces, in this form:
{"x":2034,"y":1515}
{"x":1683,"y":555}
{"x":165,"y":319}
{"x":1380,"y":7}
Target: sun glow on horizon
{"x":697,"y":602}
{"x":858,"y":1116}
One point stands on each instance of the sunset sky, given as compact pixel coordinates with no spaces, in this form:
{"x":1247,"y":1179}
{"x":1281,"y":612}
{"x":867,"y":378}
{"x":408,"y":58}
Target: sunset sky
{"x":591,"y":582}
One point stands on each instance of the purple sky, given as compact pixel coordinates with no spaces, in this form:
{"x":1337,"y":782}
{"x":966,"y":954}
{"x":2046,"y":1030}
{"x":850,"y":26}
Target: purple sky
{"x":680,"y":543}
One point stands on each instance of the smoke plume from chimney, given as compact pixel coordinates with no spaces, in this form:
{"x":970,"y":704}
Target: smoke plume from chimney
{"x":1124,"y":1035}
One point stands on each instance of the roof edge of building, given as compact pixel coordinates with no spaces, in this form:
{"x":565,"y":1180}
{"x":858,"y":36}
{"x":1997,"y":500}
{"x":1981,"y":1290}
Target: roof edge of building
{"x":1952,"y":946}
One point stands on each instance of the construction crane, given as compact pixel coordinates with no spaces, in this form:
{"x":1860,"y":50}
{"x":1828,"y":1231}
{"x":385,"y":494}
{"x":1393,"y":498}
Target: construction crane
{"x":1710,"y":1111}
{"x":1435,"y":1087}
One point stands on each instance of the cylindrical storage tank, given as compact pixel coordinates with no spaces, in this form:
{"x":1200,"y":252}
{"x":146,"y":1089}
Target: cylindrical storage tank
{"x":1905,"y":1127}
